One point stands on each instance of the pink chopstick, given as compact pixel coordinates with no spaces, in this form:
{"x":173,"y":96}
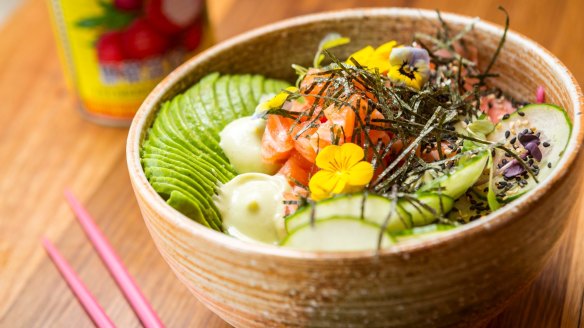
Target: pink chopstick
{"x":143,"y":309}
{"x":87,"y":300}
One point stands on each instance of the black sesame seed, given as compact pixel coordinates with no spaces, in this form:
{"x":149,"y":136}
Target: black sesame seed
{"x":507,"y":134}
{"x":504,"y":161}
{"x":546,"y":144}
{"x":512,"y":141}
{"x":506,"y":116}
{"x":526,"y":131}
{"x":538,"y":134}
{"x":521,"y":113}
{"x":550,"y":165}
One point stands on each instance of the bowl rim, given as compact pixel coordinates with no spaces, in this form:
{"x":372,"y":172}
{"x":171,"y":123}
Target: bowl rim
{"x":493,"y":221}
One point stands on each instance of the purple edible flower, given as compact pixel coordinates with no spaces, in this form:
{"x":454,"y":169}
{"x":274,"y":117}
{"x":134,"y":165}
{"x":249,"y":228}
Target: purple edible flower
{"x":534,"y":151}
{"x":514,"y":169}
{"x":531,"y":143}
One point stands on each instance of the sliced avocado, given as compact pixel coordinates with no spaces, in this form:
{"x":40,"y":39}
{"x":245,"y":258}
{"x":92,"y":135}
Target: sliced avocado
{"x":164,"y":170}
{"x":191,"y":136}
{"x":199,"y":174}
{"x":337,"y":234}
{"x":154,"y":171}
{"x":257,"y":87}
{"x":193,"y":206}
{"x":186,"y":184}
{"x":246,"y":95}
{"x":272,"y":86}
{"x":167,"y":138}
{"x":196,"y":112}
{"x":463,"y":176}
{"x":190,"y":139}
{"x":165,"y":145}
{"x":223,"y":98}
{"x":188,"y":117}
{"x":207,"y":96}
{"x":209,"y":210}
{"x":233,"y":90}
{"x":173,"y":154}
{"x":181,"y":155}
{"x":186,"y":206}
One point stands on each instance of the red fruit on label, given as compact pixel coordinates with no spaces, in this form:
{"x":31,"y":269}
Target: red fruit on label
{"x":128,"y":5}
{"x":172,"y":16}
{"x":140,"y":40}
{"x":191,"y":38}
{"x":109,"y":48}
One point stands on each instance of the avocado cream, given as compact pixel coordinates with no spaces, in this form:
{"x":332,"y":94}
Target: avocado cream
{"x":252,"y":207}
{"x":241,"y":141}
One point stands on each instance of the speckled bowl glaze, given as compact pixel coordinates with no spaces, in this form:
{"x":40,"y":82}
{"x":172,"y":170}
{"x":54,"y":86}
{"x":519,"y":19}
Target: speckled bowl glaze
{"x":461,"y":277}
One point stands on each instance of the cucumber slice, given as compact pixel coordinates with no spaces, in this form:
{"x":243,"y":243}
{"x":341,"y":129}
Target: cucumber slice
{"x":375,"y":210}
{"x":555,"y":128}
{"x":338,"y":224}
{"x":418,"y":233}
{"x":337,"y":234}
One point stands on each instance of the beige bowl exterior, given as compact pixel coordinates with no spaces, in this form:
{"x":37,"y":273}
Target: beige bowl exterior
{"x":460,"y":277}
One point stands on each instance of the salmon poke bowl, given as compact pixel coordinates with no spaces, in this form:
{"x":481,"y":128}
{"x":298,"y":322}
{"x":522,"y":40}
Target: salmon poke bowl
{"x":386,"y":167}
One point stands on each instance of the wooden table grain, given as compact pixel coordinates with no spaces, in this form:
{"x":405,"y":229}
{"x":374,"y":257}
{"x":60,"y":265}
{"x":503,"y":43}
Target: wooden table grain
{"x":45,"y":146}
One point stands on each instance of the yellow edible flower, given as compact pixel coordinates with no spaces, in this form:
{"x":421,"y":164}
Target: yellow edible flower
{"x":410,"y":65}
{"x":280,"y":98}
{"x":272,"y":103}
{"x":342,"y":170}
{"x":374,"y":58}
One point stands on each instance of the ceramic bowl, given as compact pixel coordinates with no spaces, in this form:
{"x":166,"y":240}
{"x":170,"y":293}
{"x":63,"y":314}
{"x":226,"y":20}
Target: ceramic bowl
{"x":461,"y":277}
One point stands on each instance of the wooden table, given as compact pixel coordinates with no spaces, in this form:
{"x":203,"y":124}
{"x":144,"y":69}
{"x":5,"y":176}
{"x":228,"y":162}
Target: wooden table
{"x":45,"y":146}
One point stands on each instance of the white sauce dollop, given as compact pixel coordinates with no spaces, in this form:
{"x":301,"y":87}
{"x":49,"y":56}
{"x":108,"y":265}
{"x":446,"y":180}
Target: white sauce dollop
{"x":241,"y":140}
{"x":252,"y":207}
